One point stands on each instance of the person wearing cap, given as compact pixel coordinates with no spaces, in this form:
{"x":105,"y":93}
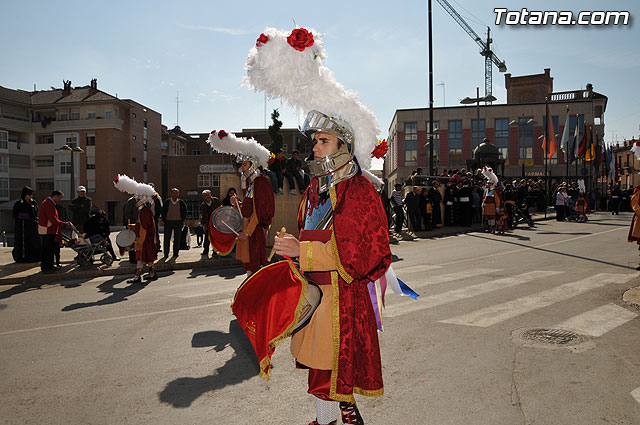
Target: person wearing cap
{"x":343,"y":245}
{"x":80,"y":208}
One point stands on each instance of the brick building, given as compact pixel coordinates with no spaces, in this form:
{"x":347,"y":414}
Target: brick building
{"x":515,"y":128}
{"x":627,"y":165}
{"x":115,"y":135}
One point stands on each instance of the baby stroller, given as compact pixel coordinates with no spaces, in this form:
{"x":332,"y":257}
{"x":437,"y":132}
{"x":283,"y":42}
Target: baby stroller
{"x":521,"y":215}
{"x":86,"y":248}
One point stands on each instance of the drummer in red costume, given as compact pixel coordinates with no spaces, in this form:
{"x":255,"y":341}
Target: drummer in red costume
{"x":257,"y":209}
{"x":145,"y":245}
{"x":343,"y":245}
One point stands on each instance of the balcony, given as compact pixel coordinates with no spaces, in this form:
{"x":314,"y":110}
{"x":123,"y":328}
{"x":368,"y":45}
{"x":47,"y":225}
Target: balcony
{"x":13,"y":124}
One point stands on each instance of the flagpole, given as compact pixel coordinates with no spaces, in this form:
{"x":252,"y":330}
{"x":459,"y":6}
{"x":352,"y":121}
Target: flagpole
{"x":590,"y":167}
{"x":546,"y":150}
{"x":576,"y":146}
{"x":566,"y":148}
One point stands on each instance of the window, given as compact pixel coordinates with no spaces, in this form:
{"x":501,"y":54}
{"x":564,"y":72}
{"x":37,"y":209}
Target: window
{"x":193,"y":209}
{"x":44,"y":184}
{"x":455,"y":142}
{"x":65,"y":167}
{"x":502,"y":138}
{"x":91,"y":185}
{"x":165,"y":145}
{"x":133,"y":159}
{"x":91,"y":139}
{"x":4,"y":164}
{"x":525,"y":140}
{"x":475,"y":139}
{"x":144,"y":167}
{"x":411,"y":143}
{"x":75,"y":115}
{"x":133,"y":115}
{"x":71,"y":141}
{"x":133,"y":137}
{"x":4,"y":140}
{"x":145,"y":123}
{"x":44,"y":161}
{"x":204,"y":180}
{"x":215,"y":180}
{"x":436,"y":143}
{"x":144,"y":144}
{"x":91,"y":162}
{"x":195,"y":152}
{"x":107,"y":114}
{"x":91,"y":115}
{"x":64,"y":116}
{"x":4,"y":187}
{"x":44,"y":140}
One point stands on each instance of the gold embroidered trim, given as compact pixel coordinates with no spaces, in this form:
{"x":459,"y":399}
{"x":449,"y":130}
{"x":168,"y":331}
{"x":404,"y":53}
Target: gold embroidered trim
{"x":224,"y":253}
{"x":335,"y":327}
{"x":334,"y":246}
{"x":279,"y":339}
{"x":309,"y":248}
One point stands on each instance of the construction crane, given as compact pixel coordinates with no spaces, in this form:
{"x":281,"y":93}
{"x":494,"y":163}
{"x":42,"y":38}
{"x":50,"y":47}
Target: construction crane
{"x":485,"y":47}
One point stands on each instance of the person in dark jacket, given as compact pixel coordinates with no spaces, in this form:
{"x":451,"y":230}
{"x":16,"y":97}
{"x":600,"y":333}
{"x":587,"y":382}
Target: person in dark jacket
{"x":80,"y":208}
{"x":425,"y":208}
{"x":413,"y":208}
{"x":174,"y":213}
{"x":209,"y":204}
{"x":276,"y":166}
{"x":26,"y":247}
{"x":465,"y":204}
{"x":293,"y":172}
{"x":99,"y":225}
{"x":436,"y":201}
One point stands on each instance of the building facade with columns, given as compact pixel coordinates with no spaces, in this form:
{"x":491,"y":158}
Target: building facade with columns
{"x":516,"y":128}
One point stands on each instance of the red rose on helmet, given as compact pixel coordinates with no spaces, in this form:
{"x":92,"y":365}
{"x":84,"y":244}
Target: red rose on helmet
{"x":300,"y":39}
{"x":261,"y":40}
{"x":222,"y":134}
{"x":213,"y":132}
{"x":380,"y":149}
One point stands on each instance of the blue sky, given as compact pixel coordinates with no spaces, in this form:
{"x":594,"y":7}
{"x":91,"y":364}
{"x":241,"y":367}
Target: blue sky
{"x":149,"y":51}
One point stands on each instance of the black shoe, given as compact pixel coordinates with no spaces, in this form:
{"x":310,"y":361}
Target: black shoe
{"x":206,"y":253}
{"x":136,"y":279}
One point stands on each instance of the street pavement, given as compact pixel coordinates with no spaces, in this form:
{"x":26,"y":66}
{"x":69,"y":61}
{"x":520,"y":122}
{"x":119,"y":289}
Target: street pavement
{"x":100,"y":351}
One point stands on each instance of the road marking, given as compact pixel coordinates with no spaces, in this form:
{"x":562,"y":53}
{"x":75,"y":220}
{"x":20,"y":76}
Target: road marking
{"x":418,"y":268}
{"x":425,"y":302}
{"x":442,"y":278}
{"x":501,"y":312}
{"x":636,"y":394}
{"x":110,"y":319}
{"x":599,"y":321}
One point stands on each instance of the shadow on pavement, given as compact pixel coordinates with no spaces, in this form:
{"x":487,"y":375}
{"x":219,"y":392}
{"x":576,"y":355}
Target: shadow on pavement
{"x":565,"y":233}
{"x":229,"y":273}
{"x":180,"y":393}
{"x":551,"y":251}
{"x":117,"y":294}
{"x":30,"y":286}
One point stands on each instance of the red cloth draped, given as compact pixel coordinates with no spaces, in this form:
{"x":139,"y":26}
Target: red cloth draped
{"x":222,"y":243}
{"x":362,"y":241}
{"x":267,"y":306}
{"x":149,"y":252}
{"x":265,"y":208}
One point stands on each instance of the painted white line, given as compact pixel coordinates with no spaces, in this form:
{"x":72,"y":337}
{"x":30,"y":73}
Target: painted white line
{"x":414,"y":269}
{"x":443,"y":278}
{"x":636,"y":394}
{"x":425,"y":302}
{"x":501,"y":312}
{"x":599,"y":321}
{"x":110,"y":319}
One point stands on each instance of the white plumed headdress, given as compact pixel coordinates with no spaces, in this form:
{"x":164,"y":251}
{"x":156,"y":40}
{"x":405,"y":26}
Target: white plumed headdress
{"x":124,"y":183}
{"x":581,"y":187}
{"x":490,"y":175}
{"x":288,"y":65}
{"x":244,"y":149}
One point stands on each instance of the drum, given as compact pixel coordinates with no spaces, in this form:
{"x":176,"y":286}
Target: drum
{"x":271,"y":305}
{"x":126,"y":239}
{"x":227,"y":220}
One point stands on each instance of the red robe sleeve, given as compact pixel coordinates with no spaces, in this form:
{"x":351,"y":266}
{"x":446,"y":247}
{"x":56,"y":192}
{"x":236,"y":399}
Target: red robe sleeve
{"x":360,"y":229}
{"x":264,"y":200}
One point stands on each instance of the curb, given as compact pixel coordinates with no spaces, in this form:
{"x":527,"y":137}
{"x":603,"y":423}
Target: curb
{"x":79,"y":273}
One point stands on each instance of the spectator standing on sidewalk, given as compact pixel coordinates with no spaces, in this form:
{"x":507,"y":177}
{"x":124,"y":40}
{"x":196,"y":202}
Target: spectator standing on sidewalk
{"x":396,"y":203}
{"x":615,"y":200}
{"x":26,"y":247}
{"x":80,"y":208}
{"x":49,"y":226}
{"x":209,"y":204}
{"x":174,"y":213}
{"x":436,"y":201}
{"x":465,"y":204}
{"x":413,"y":208}
{"x":425,"y":208}
{"x":562,"y":202}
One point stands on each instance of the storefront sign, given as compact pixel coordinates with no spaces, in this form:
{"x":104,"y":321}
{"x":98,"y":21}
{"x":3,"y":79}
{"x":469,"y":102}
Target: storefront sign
{"x":216,"y":168}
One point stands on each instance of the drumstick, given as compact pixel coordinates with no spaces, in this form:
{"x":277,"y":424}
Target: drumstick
{"x":273,"y":249}
{"x":229,"y":227}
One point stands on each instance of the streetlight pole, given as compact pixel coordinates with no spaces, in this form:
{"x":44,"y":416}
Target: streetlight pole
{"x":430,"y":93}
{"x":71,"y":150}
{"x":468,"y":101}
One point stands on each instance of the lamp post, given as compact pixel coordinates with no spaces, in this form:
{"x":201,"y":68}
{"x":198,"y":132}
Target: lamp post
{"x":468,"y":101}
{"x":71,"y":149}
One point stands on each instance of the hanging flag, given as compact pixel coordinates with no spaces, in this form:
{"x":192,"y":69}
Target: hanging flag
{"x":595,"y":148}
{"x":549,"y":142}
{"x":564,"y":142}
{"x":573,"y":152}
{"x":612,"y":164}
{"x":585,"y":143}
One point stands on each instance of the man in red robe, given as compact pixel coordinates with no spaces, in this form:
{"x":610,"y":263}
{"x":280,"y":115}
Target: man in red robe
{"x":343,"y":245}
{"x":145,"y":244}
{"x":257,"y":208}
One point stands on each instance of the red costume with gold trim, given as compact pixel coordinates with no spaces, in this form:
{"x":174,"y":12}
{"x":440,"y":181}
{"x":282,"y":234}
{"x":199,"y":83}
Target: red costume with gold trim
{"x":145,"y":229}
{"x":359,"y":242}
{"x":257,"y":209}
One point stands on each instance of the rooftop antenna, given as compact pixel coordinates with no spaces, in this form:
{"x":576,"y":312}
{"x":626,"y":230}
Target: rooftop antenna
{"x":177,"y":108}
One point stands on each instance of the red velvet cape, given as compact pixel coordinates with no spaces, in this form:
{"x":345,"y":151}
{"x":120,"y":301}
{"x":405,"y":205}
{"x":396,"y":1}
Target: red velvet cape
{"x":149,"y":252}
{"x":362,"y":253}
{"x":265,"y":208}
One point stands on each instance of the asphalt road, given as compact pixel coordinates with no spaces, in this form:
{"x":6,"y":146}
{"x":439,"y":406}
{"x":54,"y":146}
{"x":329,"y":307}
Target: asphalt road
{"x":105,"y":352}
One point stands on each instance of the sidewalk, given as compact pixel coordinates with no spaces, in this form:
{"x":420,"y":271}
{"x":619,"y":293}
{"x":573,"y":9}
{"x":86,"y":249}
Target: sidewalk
{"x":12,"y":273}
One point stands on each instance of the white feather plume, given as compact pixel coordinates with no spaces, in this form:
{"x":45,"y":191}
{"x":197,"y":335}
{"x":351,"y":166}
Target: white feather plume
{"x":233,"y":145}
{"x":635,"y":148}
{"x":301,"y":80}
{"x":490,"y":175}
{"x":581,"y":187}
{"x":127,"y":184}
